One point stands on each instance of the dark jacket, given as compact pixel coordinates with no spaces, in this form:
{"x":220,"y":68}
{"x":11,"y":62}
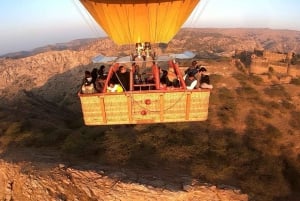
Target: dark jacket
{"x":204,"y":79}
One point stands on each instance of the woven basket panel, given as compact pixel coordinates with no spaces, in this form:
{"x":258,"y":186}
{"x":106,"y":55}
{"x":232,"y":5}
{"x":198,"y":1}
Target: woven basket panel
{"x":92,"y":113}
{"x":174,"y":106}
{"x":146,"y":107}
{"x":116,"y":108}
{"x":199,"y":106}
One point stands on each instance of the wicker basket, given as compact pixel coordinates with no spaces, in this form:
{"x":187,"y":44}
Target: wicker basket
{"x":137,"y":107}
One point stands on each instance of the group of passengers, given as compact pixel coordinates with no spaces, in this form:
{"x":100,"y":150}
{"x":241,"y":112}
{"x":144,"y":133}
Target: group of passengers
{"x":93,"y":81}
{"x":195,"y":77}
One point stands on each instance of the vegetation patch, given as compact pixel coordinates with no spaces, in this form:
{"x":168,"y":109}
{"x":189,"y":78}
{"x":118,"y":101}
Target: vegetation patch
{"x":277,"y":91}
{"x":295,"y":120}
{"x":249,"y":93}
{"x":295,"y":81}
{"x":227,"y":106}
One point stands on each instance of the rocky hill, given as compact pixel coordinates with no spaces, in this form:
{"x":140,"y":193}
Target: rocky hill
{"x":248,"y":149}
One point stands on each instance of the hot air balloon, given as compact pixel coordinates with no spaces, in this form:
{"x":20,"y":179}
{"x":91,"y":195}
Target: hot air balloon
{"x":137,"y":21}
{"x":143,"y":100}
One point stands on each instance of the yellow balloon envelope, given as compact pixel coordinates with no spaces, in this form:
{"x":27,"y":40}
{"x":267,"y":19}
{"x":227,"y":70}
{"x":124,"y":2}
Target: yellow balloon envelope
{"x":135,"y":21}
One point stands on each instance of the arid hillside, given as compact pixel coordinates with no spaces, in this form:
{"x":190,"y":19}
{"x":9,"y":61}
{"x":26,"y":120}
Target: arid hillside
{"x":205,"y":41}
{"x":248,"y":149}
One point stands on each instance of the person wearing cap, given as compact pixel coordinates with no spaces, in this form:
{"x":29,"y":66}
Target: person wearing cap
{"x":204,"y":79}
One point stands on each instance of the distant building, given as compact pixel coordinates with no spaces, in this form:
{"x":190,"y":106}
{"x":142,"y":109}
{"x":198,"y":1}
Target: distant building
{"x":263,"y":62}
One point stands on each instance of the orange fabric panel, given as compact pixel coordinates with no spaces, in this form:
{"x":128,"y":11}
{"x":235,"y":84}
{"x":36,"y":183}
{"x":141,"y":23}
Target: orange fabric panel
{"x":133,"y":22}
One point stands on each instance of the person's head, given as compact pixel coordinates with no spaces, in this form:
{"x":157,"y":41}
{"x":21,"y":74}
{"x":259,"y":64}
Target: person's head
{"x":88,"y":76}
{"x":94,"y":72}
{"x":191,"y":75}
{"x":101,"y":70}
{"x":202,"y":69}
{"x":111,"y":84}
{"x":102,"y":67}
{"x":194,"y":63}
{"x":122,"y":69}
{"x":87,"y":73}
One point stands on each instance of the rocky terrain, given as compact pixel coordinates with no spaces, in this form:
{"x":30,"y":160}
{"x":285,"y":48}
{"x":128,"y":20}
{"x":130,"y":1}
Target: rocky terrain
{"x":247,"y":150}
{"x":51,"y":181}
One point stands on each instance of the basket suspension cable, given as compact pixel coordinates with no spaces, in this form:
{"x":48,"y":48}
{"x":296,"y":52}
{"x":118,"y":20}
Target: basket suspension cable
{"x":120,"y":81}
{"x":87,"y":19}
{"x":198,"y":12}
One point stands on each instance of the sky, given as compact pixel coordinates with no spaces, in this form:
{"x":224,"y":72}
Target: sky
{"x":28,"y":24}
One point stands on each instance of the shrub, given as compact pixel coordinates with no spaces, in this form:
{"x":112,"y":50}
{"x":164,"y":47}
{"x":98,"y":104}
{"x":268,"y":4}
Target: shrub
{"x":81,"y":145}
{"x":272,"y":105}
{"x":264,"y":113}
{"x":256,"y":79}
{"x":215,"y":78}
{"x":295,"y":120}
{"x":241,"y":77}
{"x":249,"y":93}
{"x":295,"y":81}
{"x":288,"y":105}
{"x":13,"y":129}
{"x":38,"y":138}
{"x":225,"y":94}
{"x":277,"y":91}
{"x":227,"y":105}
{"x":143,"y":155}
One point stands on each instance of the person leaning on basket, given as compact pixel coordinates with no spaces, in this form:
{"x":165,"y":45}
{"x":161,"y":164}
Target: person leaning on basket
{"x":112,"y":87}
{"x":122,"y":77}
{"x":204,"y":80}
{"x":190,"y":80}
{"x":87,"y":86}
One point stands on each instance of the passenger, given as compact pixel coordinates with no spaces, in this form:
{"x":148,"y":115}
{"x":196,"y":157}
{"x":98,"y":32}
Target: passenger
{"x":87,"y":85}
{"x":191,"y":68}
{"x":122,"y":77}
{"x":204,"y":81}
{"x":137,"y":76}
{"x":99,"y":84}
{"x":113,"y":87}
{"x":190,"y":81}
{"x":176,"y":83}
{"x":172,"y":76}
{"x":197,"y":75}
{"x":94,"y":75}
{"x":101,"y":73}
{"x":165,"y":79}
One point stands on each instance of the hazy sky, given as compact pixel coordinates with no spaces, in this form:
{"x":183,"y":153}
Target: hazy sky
{"x":27,"y":24}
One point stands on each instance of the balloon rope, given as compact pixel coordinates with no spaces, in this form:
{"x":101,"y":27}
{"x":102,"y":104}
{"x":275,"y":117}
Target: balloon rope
{"x":87,"y":19}
{"x":196,"y":14}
